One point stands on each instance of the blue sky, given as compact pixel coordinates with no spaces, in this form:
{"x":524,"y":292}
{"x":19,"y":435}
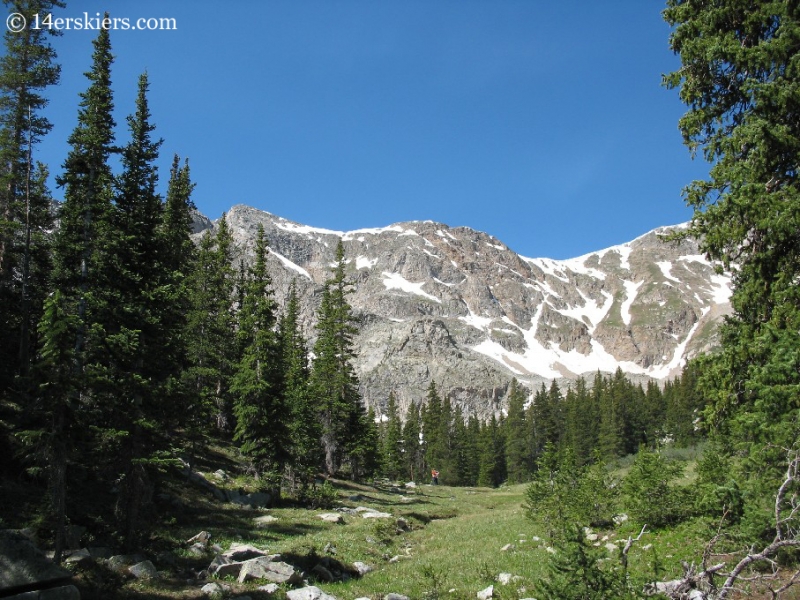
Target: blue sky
{"x":541,"y":123}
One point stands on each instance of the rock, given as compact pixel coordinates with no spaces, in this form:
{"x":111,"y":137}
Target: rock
{"x":611,"y":547}
{"x":242,"y":552}
{"x":394,"y":559}
{"x":331,"y":518}
{"x":403,"y":524}
{"x":620,"y":519}
{"x":225,"y":569}
{"x":80,"y":557}
{"x":362,"y":568}
{"x":329,"y":549}
{"x":393,"y":596}
{"x":592,"y":537}
{"x":411,"y":485}
{"x":487,"y":593}
{"x":270,"y":588}
{"x":504,"y":578}
{"x":121,"y":562}
{"x":143,"y":570}
{"x":507,"y":547}
{"x":550,"y":549}
{"x":197,"y":549}
{"x":212,"y":589}
{"x":322,"y":574}
{"x":23,"y":565}
{"x":308,"y":593}
{"x":374,"y":514}
{"x":264,"y":521}
{"x":264,"y":568}
{"x":67,"y":592}
{"x":100,"y":552}
{"x":203,"y":537}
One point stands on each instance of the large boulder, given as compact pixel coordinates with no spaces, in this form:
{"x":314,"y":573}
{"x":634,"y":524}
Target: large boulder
{"x":23,"y":567}
{"x":310,"y":592}
{"x":264,"y":568}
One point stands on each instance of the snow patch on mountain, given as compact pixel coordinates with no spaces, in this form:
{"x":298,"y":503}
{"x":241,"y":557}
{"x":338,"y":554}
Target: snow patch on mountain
{"x":395,"y":281}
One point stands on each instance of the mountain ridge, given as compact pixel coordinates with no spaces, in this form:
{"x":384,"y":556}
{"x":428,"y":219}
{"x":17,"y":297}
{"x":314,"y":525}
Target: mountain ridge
{"x":458,"y":306}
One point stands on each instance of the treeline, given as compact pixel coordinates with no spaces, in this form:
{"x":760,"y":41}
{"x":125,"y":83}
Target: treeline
{"x":125,"y":345}
{"x":611,"y":418}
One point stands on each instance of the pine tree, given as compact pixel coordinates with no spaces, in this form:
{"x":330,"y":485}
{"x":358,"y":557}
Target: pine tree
{"x":303,"y":424}
{"x":517,"y":460}
{"x":434,"y":431}
{"x":333,"y":379}
{"x":262,"y":427}
{"x":210,"y":334}
{"x":27,"y":69}
{"x":412,"y":450}
{"x":67,"y":391}
{"x":492,"y":455}
{"x":738,"y":77}
{"x":392,"y":443}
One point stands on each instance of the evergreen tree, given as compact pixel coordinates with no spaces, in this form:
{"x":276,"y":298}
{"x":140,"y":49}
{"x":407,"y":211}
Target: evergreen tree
{"x":492,"y":455}
{"x":739,"y":77}
{"x":85,"y":222}
{"x":517,"y":460}
{"x":27,"y":69}
{"x":392,"y":442}
{"x":303,"y":424}
{"x":333,"y":381}
{"x":412,"y":450}
{"x":262,"y":427}
{"x":211,"y":334}
{"x":434,"y":431}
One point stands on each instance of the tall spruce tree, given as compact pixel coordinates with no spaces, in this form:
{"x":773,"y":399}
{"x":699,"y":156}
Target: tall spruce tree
{"x":262,"y":420}
{"x":303,"y":424}
{"x":333,"y":380}
{"x":27,"y":69}
{"x":517,"y":458}
{"x":392,"y":442}
{"x":70,"y":327}
{"x":739,"y":78}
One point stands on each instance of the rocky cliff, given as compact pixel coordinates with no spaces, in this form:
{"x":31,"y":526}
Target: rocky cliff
{"x":458,"y":306}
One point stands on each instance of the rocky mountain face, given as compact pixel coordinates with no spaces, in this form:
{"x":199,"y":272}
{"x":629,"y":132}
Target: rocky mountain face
{"x":458,"y":306}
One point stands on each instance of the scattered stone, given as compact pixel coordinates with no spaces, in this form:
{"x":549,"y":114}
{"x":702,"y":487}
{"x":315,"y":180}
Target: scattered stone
{"x":197,"y":549}
{"x":403,"y":524}
{"x":254,"y":500}
{"x":505,"y":578}
{"x":322,"y":574}
{"x":203,"y":537}
{"x":507,"y":547}
{"x":362,"y":568}
{"x":620,"y":519}
{"x":265,"y":568}
{"x":308,"y":593}
{"x":242,"y":552}
{"x":550,"y":549}
{"x":331,"y":518}
{"x":393,"y":596}
{"x":411,"y":485}
{"x":329,"y":549}
{"x":611,"y":547}
{"x":222,"y":566}
{"x":144,"y":570}
{"x":264,"y":521}
{"x":121,"y":562}
{"x":347,"y":511}
{"x":374,"y":514}
{"x":486,"y":593}
{"x":536,"y":538}
{"x":394,"y":559}
{"x":592,"y":537}
{"x":80,"y":557}
{"x":221,"y":474}
{"x":212,"y":589}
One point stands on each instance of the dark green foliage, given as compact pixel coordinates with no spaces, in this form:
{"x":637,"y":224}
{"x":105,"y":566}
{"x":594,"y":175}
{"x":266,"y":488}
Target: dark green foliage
{"x":413,"y":451}
{"x":492,"y":454}
{"x":392,"y":453}
{"x":27,"y":69}
{"x":333,"y":381}
{"x":579,"y":571}
{"x":262,"y":418}
{"x":516,"y":452}
{"x":304,"y":427}
{"x":651,"y":496}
